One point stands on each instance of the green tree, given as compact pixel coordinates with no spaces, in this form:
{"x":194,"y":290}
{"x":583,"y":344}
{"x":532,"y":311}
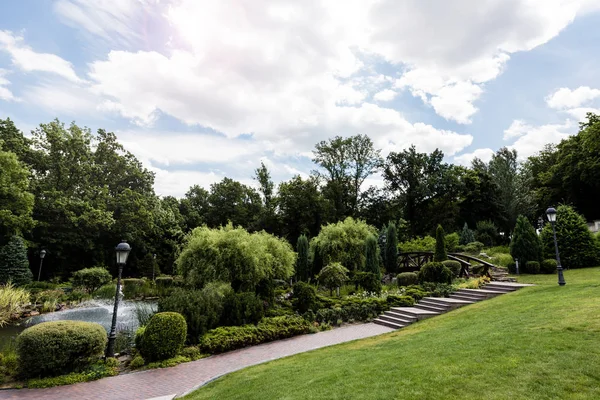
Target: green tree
{"x":576,"y":244}
{"x":16,"y":202}
{"x":333,"y":276}
{"x":466,"y":235}
{"x":525,"y":244}
{"x":486,"y":233}
{"x":391,"y":249}
{"x":230,"y":200}
{"x":194,"y":207}
{"x":268,"y":219}
{"x":14,"y":266}
{"x":371,"y":256}
{"x":302,"y":265}
{"x":440,"y":245}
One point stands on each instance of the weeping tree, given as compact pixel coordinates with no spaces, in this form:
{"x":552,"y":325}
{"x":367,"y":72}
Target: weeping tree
{"x":371,"y":261}
{"x":302,"y":265}
{"x":440,"y":245}
{"x":391,"y":248}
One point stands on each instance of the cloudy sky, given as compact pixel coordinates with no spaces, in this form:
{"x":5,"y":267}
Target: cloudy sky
{"x":202,"y":89}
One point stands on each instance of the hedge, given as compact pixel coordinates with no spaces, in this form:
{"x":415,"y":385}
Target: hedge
{"x":407,"y":278}
{"x":548,"y":266}
{"x":435,"y":272}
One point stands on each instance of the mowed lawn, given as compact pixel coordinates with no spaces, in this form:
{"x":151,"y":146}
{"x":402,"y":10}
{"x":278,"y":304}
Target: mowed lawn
{"x":541,"y":342}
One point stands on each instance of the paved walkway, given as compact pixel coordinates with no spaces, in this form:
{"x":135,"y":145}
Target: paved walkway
{"x":186,"y":377}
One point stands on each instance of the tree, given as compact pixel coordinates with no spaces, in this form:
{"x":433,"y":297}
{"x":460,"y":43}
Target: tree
{"x":333,"y":276}
{"x":16,"y":202}
{"x":486,"y":233}
{"x":440,"y":245}
{"x":230,"y":200}
{"x":391,"y":248}
{"x":466,"y":235}
{"x":14,"y":266}
{"x":302,"y":265}
{"x":194,"y":207}
{"x":525,"y":245}
{"x":371,"y":256}
{"x":91,"y":279}
{"x":576,"y":244}
{"x":268,"y":219}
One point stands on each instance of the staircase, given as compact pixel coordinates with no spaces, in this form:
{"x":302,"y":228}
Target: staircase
{"x":501,"y":275}
{"x":399,"y":317}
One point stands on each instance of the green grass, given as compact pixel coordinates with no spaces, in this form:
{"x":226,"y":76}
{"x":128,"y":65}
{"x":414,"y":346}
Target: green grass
{"x":541,"y":342}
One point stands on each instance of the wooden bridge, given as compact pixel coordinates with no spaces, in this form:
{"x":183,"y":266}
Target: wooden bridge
{"x":414,"y":260}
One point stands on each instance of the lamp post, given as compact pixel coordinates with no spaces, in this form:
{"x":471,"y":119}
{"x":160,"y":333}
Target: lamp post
{"x":122,"y":251}
{"x":42,"y":255}
{"x":551,"y":213}
{"x":153,"y":265}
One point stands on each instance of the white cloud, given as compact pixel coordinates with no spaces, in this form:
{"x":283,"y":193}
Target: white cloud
{"x":465,"y":159}
{"x":62,"y":98}
{"x":531,"y":139}
{"x":385,"y":95}
{"x":5,"y":93}
{"x":177,"y":183}
{"x":580,"y":113}
{"x":565,"y":98}
{"x":28,"y":60}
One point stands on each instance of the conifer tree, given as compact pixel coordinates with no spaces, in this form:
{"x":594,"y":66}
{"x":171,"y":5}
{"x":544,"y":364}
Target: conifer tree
{"x":371,"y":262}
{"x":525,"y":244}
{"x":302,"y":266}
{"x":14,"y":265}
{"x":391,"y":248}
{"x":440,"y":245}
{"x":466,"y":235}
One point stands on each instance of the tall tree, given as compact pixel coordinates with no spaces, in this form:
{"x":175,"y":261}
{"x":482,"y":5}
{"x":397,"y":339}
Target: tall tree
{"x":440,"y":245}
{"x":268,"y":219}
{"x":371,"y":259}
{"x":230,"y":200}
{"x":194,"y":207}
{"x":525,"y":244}
{"x":302,"y":265}
{"x":391,"y":248}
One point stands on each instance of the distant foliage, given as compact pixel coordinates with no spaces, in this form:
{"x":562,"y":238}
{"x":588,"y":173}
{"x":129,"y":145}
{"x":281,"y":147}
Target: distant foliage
{"x":14,"y":265}
{"x":302,"y":265}
{"x":525,"y":244}
{"x":440,"y":245}
{"x":487,"y":233}
{"x":474,"y":248}
{"x":466,"y":235}
{"x":233,"y":255}
{"x":149,"y":267}
{"x":333,"y":276}
{"x":163,"y":337}
{"x":426,"y":243}
{"x":91,"y":279}
{"x":344,"y":242}
{"x":391,"y":248}
{"x":452,"y":242}
{"x":435,"y":272}
{"x":577,"y":246}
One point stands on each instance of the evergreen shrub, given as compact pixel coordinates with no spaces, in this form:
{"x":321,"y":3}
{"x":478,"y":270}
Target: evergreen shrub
{"x":532,"y":267}
{"x":304,"y":297}
{"x":435,"y":272}
{"x":14,"y":265}
{"x":407,"y":278}
{"x":453,"y":266}
{"x":91,"y":279}
{"x":548,"y":266}
{"x":164,"y":336}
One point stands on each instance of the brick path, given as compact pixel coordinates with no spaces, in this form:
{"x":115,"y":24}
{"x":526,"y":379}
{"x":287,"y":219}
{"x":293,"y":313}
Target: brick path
{"x":186,"y":377}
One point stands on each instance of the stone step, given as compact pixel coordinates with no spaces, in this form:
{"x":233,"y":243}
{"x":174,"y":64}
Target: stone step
{"x":388,"y":323}
{"x":512,"y":285}
{"x":448,"y":301}
{"x":401,"y":315}
{"x":464,"y":292}
{"x":498,"y":288}
{"x":487,"y":293}
{"x":429,"y":307}
{"x":396,"y":319}
{"x":471,"y":299}
{"x":417,"y":313}
{"x":426,"y":301}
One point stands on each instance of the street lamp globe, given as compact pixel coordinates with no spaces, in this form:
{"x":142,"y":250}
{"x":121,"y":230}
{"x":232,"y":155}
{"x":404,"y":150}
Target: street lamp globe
{"x":42,"y":254}
{"x":122,"y":251}
{"x":551,"y":214}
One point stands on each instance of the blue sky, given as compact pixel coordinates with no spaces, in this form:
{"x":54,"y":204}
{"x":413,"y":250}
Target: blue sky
{"x":199,"y":90}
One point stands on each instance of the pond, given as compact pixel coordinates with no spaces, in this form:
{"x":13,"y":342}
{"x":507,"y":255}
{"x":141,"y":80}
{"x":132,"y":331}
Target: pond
{"x":99,"y":311}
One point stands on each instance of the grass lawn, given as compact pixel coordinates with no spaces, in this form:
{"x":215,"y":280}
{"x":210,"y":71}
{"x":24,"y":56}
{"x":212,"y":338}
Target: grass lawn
{"x":541,"y":342}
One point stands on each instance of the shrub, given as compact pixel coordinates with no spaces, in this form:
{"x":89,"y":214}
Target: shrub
{"x":426,"y":243}
{"x":168,"y":363}
{"x":525,"y":244}
{"x":502,"y":260}
{"x":304,"y":297}
{"x":241,"y":309}
{"x":164,"y":282}
{"x":453,"y":266}
{"x":12,"y":300}
{"x":343,"y":242}
{"x":548,"y":266}
{"x":370,"y":282}
{"x":229,"y":338}
{"x":407,"y":278}
{"x":480,"y":269}
{"x":91,"y":279}
{"x":576,"y":243}
{"x":474,"y":248}
{"x":435,"y":272}
{"x":391,"y":248}
{"x":416,"y":293}
{"x":371,"y":256}
{"x":440,"y":245}
{"x":302,"y":265}
{"x":139,"y":334}
{"x":133,"y":287}
{"x":400,"y":301}
{"x":333,"y":276}
{"x":466,"y":235}
{"x":191,"y":352}
{"x":532,"y":267}
{"x":137,"y":362}
{"x":235,"y":256}
{"x":96,"y":371}
{"x":106,"y":291}
{"x":487,"y":233}
{"x":59,"y":347}
{"x":452,"y":242}
{"x":438,"y":289}
{"x":14,"y":265}
{"x":164,"y":336}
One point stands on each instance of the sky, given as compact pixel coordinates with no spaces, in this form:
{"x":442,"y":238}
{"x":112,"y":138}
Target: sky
{"x":203,"y":89}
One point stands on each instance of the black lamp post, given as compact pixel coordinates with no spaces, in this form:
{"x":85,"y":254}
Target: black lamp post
{"x":153,"y":265}
{"x":551,"y":213}
{"x":122,"y":251}
{"x":42,"y":255}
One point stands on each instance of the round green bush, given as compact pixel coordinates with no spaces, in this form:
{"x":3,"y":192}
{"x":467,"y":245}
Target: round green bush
{"x":400,"y":301}
{"x":59,"y":347}
{"x":137,"y":362}
{"x":304,"y":297}
{"x":435,"y":272}
{"x":453,"y":266}
{"x":163,"y":337}
{"x":532,"y":267}
{"x":407,"y":279}
{"x":548,"y":266}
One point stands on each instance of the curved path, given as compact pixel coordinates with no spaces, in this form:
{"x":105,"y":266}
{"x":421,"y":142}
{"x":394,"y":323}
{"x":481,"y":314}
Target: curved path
{"x":169,"y":382}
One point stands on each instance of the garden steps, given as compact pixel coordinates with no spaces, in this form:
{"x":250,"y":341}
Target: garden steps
{"x":399,"y":317}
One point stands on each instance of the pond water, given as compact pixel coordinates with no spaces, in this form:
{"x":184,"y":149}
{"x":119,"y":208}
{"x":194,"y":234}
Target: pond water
{"x":99,"y":311}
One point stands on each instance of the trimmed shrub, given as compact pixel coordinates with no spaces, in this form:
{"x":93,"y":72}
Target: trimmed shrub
{"x":466,"y":235}
{"x":438,"y":289}
{"x":302,"y":265}
{"x":370,"y":282}
{"x":416,"y":292}
{"x":132,"y":287}
{"x":391,"y":248}
{"x":304,"y":297}
{"x":440,"y":245}
{"x":164,"y":336}
{"x":532,"y":267}
{"x":525,"y":244}
{"x":241,"y":309}
{"x":577,"y":246}
{"x":191,"y":352}
{"x":59,"y":347}
{"x":400,"y":301}
{"x":407,"y":278}
{"x":229,"y":338}
{"x":474,"y":248}
{"x":435,"y":272}
{"x":453,"y":266}
{"x":548,"y":266}
{"x":14,"y":265}
{"x":137,"y":362}
{"x":91,"y":279}
{"x":333,"y":276}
